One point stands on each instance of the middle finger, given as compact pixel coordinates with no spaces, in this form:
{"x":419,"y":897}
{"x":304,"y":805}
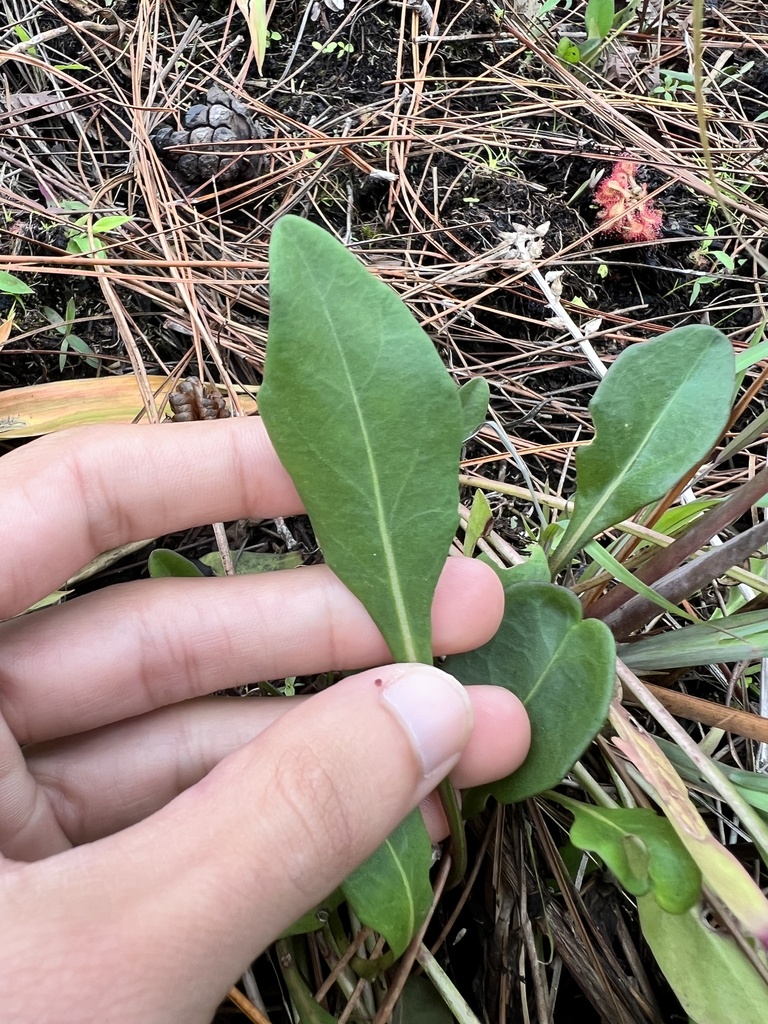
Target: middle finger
{"x":139,"y":646}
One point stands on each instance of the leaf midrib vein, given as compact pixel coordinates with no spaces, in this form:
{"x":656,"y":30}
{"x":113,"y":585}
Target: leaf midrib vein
{"x":619,"y":480}
{"x":409,"y":648}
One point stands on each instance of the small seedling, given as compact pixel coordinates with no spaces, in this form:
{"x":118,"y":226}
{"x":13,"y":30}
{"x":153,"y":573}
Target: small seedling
{"x":601,"y":21}
{"x":12,"y":285}
{"x":63,"y":326}
{"x":339,"y":48}
{"x":85,"y":235}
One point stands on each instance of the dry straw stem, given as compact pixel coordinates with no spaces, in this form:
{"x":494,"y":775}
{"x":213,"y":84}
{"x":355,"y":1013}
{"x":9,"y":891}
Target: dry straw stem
{"x":694,"y":709}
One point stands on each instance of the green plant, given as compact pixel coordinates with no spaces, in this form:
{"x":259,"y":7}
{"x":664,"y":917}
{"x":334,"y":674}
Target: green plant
{"x":84,"y":235}
{"x":672,"y":82}
{"x":257,"y":18}
{"x":12,"y":285}
{"x":370,"y":426}
{"x":69,"y":340}
{"x":706,"y":255}
{"x":601,"y":20}
{"x":339,"y":48}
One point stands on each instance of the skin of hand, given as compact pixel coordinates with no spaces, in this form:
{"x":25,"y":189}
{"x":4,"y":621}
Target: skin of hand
{"x":154,"y":840}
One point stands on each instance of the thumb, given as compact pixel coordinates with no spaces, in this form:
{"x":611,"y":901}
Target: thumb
{"x":191,"y":895}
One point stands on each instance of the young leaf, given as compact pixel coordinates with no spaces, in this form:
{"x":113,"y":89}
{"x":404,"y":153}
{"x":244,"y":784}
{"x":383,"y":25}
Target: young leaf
{"x":12,"y":285}
{"x":599,"y":18}
{"x":534,"y":569}
{"x":163,"y":562}
{"x":720,"y":869}
{"x":368,"y":423}
{"x":560,"y":666}
{"x":708,"y":972}
{"x":255,"y":561}
{"x":657,"y":412}
{"x":640,"y":848}
{"x":55,"y":319}
{"x":480,"y":519}
{"x":103,"y":224}
{"x":474,"y":397}
{"x":390,"y":892}
{"x":78,"y":345}
{"x":568,"y":51}
{"x":255,"y":14}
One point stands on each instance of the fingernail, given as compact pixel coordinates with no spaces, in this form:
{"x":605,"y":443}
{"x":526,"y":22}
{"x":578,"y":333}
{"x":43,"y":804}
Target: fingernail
{"x":436,"y":712}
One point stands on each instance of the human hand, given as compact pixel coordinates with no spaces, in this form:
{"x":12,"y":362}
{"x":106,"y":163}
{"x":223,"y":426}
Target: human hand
{"x":157,"y":840}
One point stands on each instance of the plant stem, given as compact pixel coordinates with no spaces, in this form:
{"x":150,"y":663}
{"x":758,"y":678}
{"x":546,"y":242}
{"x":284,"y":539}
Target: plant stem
{"x":456,"y":826}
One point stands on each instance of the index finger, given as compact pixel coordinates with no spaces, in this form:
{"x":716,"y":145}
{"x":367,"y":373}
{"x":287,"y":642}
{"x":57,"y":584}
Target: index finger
{"x":71,"y":496}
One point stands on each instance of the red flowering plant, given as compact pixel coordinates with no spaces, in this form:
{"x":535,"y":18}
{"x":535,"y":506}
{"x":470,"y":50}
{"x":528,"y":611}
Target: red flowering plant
{"x":625,"y":207}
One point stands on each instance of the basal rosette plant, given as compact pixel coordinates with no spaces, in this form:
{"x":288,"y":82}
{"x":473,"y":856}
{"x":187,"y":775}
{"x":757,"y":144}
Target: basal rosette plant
{"x":370,"y":426}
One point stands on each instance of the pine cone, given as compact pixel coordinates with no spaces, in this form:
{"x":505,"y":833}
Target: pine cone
{"x":212,"y":132}
{"x":193,"y":400}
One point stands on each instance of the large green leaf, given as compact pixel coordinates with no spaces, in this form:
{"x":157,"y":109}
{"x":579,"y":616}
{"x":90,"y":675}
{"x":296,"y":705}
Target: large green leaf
{"x":561,"y":667}
{"x":390,"y":892}
{"x":657,"y":412}
{"x":740,"y":637}
{"x":641,"y":848}
{"x":368,"y":423}
{"x":709,"y":974}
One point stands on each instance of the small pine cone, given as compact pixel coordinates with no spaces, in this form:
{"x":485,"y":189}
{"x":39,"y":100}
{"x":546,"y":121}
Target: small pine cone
{"x":193,"y":400}
{"x":213,"y":133}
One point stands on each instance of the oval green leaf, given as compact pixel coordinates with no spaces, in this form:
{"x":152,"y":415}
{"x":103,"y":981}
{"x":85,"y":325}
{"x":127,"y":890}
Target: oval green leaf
{"x":12,"y":285}
{"x":163,"y":562}
{"x":249,"y":562}
{"x":391,"y":891}
{"x":599,"y":17}
{"x":562,"y":668}
{"x":657,"y":412}
{"x":642,"y":850}
{"x":710,"y":975}
{"x":369,"y":425}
